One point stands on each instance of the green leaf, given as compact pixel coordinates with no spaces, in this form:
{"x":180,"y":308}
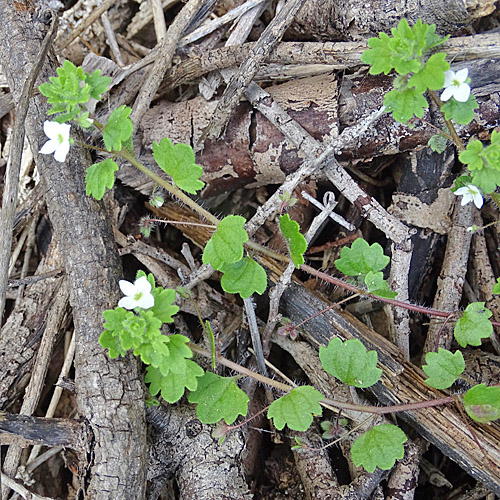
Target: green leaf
{"x":361,"y":258}
{"x":179,"y":162}
{"x":472,"y":155}
{"x":376,"y":284}
{"x":178,"y":352}
{"x":172,"y":385}
{"x":496,"y":287}
{"x":462,"y":181}
{"x":407,"y":45}
{"x":218,"y":398}
{"x":461,"y":112}
{"x":98,"y":84}
{"x":100,"y":176}
{"x":226,"y":244}
{"x":350,"y":362}
{"x":83,"y":120}
{"x":379,"y":447}
{"x":438,"y":143}
{"x":379,"y":56}
{"x":443,"y":368}
{"x":112,"y":343}
{"x":474,"y":325}
{"x":245,"y":277}
{"x":491,"y":154}
{"x":297,"y":244}
{"x":118,"y":129}
{"x":164,"y":308}
{"x":296,"y":409}
{"x":482,"y":403}
{"x":431,"y":76}
{"x":405,"y":103}
{"x":487,"y":179}
{"x":67,"y":90}
{"x":154,"y":351}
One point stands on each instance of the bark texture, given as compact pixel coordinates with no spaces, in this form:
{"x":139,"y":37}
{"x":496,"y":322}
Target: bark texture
{"x":109,"y":393}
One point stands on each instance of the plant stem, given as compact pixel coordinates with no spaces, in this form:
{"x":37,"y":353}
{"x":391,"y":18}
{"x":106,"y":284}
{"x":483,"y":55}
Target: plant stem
{"x":449,"y":124}
{"x":378,"y":410}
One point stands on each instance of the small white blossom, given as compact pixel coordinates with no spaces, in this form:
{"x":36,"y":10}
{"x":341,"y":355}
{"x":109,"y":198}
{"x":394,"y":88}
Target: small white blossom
{"x":137,"y":294}
{"x":470,"y":193}
{"x":455,"y":85}
{"x":58,"y":143}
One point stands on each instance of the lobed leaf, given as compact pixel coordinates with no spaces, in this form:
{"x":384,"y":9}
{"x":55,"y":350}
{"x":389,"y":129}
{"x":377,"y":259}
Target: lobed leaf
{"x":405,"y":103}
{"x":173,"y":385}
{"x":438,"y":143}
{"x":377,"y":285}
{"x":179,"y":162}
{"x":218,"y":398}
{"x":164,"y":308}
{"x":461,"y":112}
{"x":379,"y":447}
{"x":496,"y":287}
{"x":431,"y":76}
{"x":119,"y":128}
{"x":361,"y":258}
{"x":474,"y":325}
{"x":226,"y":244}
{"x":472,"y":155}
{"x":100,"y":176}
{"x":350,"y":362}
{"x":482,"y":403}
{"x":443,"y":368}
{"x":296,"y":409}
{"x":245,"y":277}
{"x":297,"y":244}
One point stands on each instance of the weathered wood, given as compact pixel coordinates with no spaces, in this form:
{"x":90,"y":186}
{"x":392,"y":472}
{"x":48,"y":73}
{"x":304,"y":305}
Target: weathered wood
{"x":442,"y":426}
{"x":109,"y":393}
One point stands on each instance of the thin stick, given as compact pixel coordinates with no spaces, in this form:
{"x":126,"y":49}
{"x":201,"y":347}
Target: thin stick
{"x":14,"y":164}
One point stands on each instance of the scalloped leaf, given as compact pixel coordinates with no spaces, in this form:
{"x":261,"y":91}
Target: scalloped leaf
{"x":461,"y":112}
{"x":173,"y":385}
{"x":376,"y":284}
{"x":245,"y":277}
{"x":443,"y":368}
{"x":379,"y":447}
{"x":100,"y":176}
{"x":474,"y":325}
{"x":164,"y":308}
{"x":472,"y":155}
{"x":297,"y":244}
{"x":179,"y":162}
{"x":403,"y":104}
{"x":218,"y":398}
{"x":296,"y":409}
{"x":361,"y":258}
{"x":118,"y":130}
{"x":226,"y":244}
{"x":438,"y":143}
{"x":350,"y":362}
{"x":431,"y":76}
{"x":482,"y":403}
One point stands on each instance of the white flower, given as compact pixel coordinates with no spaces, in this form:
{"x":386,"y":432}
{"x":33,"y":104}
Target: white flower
{"x":455,"y":85}
{"x":470,"y":193}
{"x":58,"y":133}
{"x":137,"y":294}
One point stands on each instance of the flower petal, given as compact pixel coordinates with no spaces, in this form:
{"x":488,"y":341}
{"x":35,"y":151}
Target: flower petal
{"x":462,"y":93}
{"x":61,"y":152}
{"x":127,"y":303}
{"x":447,"y":93}
{"x":49,"y":147}
{"x":461,"y":191}
{"x":462,"y":74}
{"x":51,"y":129}
{"x":449,"y":76}
{"x":478,"y":201}
{"x":127,"y":288}
{"x":142,"y":285}
{"x":146,"y":301}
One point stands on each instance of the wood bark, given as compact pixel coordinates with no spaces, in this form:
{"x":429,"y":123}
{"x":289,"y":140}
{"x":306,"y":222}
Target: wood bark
{"x":109,"y":393}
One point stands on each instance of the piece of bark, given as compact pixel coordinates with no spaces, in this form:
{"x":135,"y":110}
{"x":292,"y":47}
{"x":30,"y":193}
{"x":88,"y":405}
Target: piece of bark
{"x":109,"y":393}
{"x":355,"y":19}
{"x":442,"y":426}
{"x":182,"y":447}
{"x":253,"y":153}
{"x":24,"y":431}
{"x":22,"y":331}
